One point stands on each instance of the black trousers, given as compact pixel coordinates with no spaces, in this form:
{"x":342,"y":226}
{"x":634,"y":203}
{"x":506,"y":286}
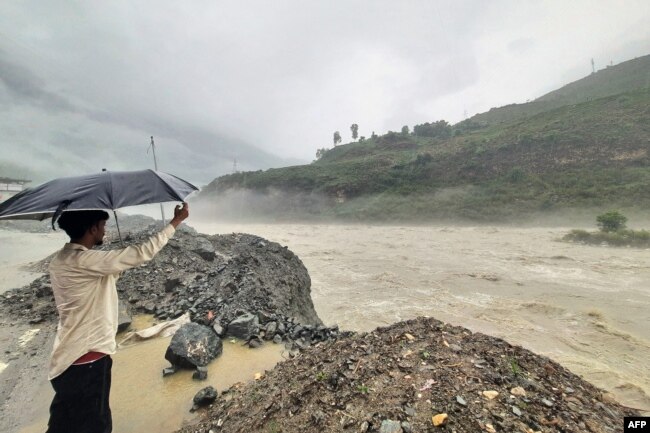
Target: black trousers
{"x":80,"y":403}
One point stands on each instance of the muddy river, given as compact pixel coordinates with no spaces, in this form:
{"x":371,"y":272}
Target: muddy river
{"x":586,"y":307}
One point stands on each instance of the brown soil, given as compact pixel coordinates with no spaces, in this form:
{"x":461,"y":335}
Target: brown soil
{"x":407,"y":373}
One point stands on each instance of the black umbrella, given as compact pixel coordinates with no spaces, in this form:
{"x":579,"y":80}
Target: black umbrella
{"x":108,"y":190}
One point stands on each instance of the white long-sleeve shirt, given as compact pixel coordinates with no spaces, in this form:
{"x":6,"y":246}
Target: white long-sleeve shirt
{"x":83,"y":282}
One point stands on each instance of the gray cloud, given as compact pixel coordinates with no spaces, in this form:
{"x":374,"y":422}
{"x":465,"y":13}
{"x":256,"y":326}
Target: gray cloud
{"x":24,"y":87}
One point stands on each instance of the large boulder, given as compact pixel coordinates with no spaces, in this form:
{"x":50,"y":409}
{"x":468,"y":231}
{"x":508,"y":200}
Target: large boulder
{"x":193,"y":345}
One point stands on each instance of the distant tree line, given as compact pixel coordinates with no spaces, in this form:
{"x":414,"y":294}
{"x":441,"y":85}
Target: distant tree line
{"x":440,"y":129}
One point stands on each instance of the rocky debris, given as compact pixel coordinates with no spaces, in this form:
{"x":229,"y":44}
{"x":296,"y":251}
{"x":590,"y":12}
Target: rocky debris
{"x":235,"y":275}
{"x":193,"y":345}
{"x":376,"y":381}
{"x":204,"y":397}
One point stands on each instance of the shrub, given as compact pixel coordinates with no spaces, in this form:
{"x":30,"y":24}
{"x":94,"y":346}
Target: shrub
{"x":611,"y":221}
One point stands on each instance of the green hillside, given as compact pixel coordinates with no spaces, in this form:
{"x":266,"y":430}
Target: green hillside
{"x":622,"y":78}
{"x":588,"y":154}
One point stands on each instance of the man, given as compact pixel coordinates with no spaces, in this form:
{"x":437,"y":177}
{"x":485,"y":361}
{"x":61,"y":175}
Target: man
{"x":83,"y":282}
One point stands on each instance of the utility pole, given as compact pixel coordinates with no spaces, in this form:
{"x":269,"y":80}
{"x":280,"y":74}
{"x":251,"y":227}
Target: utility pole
{"x":593,"y":67}
{"x":155,"y":164}
{"x":234,"y":165}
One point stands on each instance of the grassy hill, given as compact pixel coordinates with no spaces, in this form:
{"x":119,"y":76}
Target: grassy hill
{"x":592,"y":153}
{"x":622,"y":78}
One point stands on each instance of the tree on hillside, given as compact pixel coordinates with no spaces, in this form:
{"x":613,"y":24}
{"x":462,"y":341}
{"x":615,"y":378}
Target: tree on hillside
{"x":337,"y":137}
{"x":355,"y":131}
{"x":320,"y":152}
{"x":611,"y":221}
{"x":405,"y":130}
{"x":439,"y":129}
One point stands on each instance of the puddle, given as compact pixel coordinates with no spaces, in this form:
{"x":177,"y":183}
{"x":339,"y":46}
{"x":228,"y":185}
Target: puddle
{"x":142,"y":400}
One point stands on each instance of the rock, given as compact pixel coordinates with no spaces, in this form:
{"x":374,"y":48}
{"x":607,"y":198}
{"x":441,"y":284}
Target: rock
{"x":490,"y":428}
{"x":169,"y":371}
{"x":490,"y":395}
{"x":439,"y":419}
{"x":264,"y":316}
{"x":389,"y":426}
{"x":243,"y":326}
{"x":277,"y":339}
{"x":204,"y":397}
{"x":193,"y":345}
{"x":547,"y":403}
{"x":204,"y":248}
{"x":255,"y":342}
{"x":364,"y":427}
{"x":518,"y":391}
{"x":271,"y":329}
{"x":516,"y":410}
{"x":171,"y":284}
{"x":201,"y":373}
{"x":406,"y":427}
{"x":124,"y":317}
{"x":461,"y":401}
{"x":218,"y":329}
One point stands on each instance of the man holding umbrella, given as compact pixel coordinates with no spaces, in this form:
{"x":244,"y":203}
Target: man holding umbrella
{"x":83,"y":282}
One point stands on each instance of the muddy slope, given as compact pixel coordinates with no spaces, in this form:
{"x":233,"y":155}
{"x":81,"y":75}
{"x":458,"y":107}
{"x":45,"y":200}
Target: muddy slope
{"x":396,"y":379}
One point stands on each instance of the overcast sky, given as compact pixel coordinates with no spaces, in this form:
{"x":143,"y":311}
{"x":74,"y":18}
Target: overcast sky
{"x":83,"y":84}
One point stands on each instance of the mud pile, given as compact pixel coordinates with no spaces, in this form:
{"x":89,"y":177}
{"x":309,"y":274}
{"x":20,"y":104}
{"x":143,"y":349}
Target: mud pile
{"x":407,"y":376}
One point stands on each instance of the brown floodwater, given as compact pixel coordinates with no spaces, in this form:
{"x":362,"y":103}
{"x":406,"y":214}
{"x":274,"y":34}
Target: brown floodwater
{"x":144,"y":401}
{"x":583,"y":306}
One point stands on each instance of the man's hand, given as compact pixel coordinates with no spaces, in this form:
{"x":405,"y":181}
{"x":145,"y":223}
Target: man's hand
{"x":180,"y":214}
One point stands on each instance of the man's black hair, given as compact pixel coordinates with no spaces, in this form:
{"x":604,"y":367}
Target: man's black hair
{"x":76,"y":223}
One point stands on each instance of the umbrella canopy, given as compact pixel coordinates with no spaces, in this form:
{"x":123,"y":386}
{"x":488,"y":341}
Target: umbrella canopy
{"x":108,"y":190}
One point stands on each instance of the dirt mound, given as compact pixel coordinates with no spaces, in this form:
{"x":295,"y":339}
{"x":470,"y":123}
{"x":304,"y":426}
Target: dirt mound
{"x":224,"y":275}
{"x":396,"y":379}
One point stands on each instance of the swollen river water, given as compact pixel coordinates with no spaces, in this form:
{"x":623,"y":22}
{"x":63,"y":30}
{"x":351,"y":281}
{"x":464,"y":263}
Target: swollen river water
{"x":583,"y":306}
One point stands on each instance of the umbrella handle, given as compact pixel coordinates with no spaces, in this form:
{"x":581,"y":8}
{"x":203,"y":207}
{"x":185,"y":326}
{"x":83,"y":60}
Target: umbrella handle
{"x":118,"y":229}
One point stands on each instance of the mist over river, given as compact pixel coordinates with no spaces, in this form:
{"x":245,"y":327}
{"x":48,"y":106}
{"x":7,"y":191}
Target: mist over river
{"x":586,"y":307}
